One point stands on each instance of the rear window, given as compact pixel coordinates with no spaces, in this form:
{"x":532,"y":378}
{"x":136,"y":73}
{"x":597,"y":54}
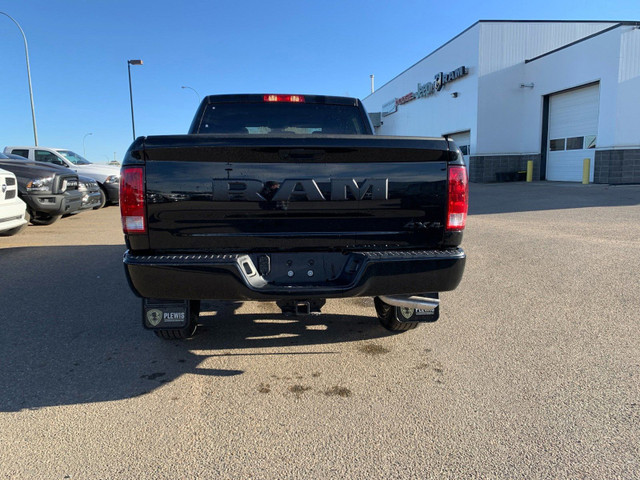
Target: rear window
{"x":276,"y":118}
{"x":22,"y":153}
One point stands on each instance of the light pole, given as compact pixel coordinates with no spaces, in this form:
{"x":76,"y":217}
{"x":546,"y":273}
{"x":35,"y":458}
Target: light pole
{"x":26,"y":52}
{"x":129,"y":63}
{"x":84,"y":150}
{"x":194,"y":90}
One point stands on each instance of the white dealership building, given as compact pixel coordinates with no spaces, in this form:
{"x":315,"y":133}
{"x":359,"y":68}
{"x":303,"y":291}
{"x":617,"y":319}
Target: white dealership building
{"x":554,"y":92}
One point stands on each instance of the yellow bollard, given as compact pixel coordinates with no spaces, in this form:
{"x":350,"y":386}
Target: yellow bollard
{"x":586,"y":167}
{"x":530,"y":171}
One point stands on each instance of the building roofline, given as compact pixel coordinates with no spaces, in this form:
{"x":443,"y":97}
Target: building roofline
{"x":424,"y":58}
{"x":624,"y":22}
{"x":617,"y":23}
{"x":589,"y":37}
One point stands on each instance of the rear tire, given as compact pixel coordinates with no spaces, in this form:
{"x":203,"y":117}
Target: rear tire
{"x":103,"y":200}
{"x":389,"y":315}
{"x":186,"y":332}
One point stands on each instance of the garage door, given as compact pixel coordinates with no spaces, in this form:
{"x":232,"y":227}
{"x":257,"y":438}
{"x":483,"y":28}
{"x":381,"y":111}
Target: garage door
{"x":573,"y":125}
{"x":463,"y":141}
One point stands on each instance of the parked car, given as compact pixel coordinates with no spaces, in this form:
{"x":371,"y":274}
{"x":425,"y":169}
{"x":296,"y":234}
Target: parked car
{"x":107,"y":176}
{"x":48,"y":191}
{"x":13,"y":211}
{"x":92,"y":195}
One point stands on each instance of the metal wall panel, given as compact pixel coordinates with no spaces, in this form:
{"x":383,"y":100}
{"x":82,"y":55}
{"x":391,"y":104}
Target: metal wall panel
{"x":503,"y":45}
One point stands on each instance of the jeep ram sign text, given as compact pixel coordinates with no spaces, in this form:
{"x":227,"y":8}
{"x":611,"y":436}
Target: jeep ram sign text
{"x":425,"y":90}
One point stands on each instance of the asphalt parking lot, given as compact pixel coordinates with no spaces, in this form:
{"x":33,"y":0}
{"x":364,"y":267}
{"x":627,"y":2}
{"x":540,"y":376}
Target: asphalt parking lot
{"x":532,"y":371}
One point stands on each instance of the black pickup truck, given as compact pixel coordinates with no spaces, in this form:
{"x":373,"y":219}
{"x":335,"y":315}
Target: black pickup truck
{"x":292,"y":199}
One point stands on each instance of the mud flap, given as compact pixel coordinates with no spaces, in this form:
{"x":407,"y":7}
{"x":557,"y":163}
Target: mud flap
{"x":164,"y":314}
{"x":418,"y":315}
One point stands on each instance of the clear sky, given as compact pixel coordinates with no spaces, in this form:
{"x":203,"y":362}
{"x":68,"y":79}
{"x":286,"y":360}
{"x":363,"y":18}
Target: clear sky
{"x":79,"y":50}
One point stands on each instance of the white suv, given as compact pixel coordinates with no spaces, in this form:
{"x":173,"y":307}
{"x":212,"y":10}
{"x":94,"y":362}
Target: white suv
{"x":107,"y":176}
{"x":12,"y":209}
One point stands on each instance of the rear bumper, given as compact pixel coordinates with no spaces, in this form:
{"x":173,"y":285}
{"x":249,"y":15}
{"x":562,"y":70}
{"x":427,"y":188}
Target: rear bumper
{"x":225,"y":277}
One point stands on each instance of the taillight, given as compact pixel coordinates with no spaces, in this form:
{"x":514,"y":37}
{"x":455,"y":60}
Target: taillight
{"x":284,"y":98}
{"x":132,"y":200}
{"x":458,"y":198}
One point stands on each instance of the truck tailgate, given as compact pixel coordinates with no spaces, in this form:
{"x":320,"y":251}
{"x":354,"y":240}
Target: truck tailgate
{"x":299,"y":192}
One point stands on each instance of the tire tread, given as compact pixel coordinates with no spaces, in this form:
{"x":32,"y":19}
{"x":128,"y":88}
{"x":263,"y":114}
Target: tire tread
{"x":388,"y":317}
{"x":186,"y":332}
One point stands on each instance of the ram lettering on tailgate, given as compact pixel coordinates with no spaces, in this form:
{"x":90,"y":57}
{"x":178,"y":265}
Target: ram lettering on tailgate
{"x":257,"y":191}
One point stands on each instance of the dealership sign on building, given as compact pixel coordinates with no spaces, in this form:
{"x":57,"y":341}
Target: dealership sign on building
{"x":425,"y":90}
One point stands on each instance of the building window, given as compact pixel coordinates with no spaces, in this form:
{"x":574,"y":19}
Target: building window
{"x":590,"y":141}
{"x":556,"y":144}
{"x":575,"y":143}
{"x":464,"y":149}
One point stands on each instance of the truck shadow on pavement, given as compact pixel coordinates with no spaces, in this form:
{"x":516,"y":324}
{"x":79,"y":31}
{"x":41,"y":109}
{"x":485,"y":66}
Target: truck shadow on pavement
{"x":71,"y":331}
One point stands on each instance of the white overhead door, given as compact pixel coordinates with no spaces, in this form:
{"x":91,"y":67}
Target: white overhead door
{"x":573,"y":126}
{"x":463,"y":141}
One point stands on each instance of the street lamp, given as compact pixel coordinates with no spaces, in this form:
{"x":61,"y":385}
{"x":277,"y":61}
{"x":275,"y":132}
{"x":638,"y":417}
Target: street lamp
{"x":194,"y":90}
{"x":26,"y":52}
{"x":129,"y":63}
{"x":84,"y":150}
